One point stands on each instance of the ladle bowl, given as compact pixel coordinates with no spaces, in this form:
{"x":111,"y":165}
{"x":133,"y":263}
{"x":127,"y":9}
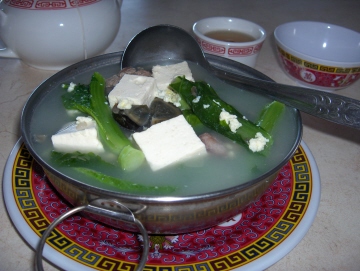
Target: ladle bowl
{"x":167,"y":42}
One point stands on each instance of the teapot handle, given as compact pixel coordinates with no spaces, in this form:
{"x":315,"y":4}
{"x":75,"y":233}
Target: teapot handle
{"x":5,"y":52}
{"x":119,"y":2}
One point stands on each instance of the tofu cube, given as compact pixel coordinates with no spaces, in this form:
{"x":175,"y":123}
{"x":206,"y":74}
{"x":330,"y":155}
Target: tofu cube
{"x":164,"y":75}
{"x":84,"y":123}
{"x":132,"y":89}
{"x":82,"y":137}
{"x":169,"y":142}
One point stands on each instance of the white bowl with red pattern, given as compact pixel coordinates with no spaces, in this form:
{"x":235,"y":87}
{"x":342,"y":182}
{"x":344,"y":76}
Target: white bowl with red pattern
{"x":52,"y":35}
{"x":319,"y":55}
{"x":245,"y":52}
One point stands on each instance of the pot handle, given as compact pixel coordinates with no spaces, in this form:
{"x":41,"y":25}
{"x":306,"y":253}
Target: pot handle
{"x":97,"y":207}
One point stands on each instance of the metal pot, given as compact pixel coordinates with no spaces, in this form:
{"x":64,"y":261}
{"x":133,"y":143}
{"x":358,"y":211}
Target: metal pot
{"x":158,"y":215}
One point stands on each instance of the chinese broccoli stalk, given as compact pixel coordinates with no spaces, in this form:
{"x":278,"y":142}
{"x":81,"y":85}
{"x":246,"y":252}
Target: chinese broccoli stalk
{"x":270,"y":114}
{"x":80,"y":162}
{"x":207,"y":106}
{"x":92,"y":101}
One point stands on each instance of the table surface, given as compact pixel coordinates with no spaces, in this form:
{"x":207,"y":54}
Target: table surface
{"x":333,"y":241}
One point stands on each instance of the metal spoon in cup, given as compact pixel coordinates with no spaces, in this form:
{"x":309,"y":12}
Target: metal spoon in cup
{"x":167,"y":42}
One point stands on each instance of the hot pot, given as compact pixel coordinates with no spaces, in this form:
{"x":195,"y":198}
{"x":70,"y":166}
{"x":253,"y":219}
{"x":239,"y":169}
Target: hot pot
{"x":147,"y":214}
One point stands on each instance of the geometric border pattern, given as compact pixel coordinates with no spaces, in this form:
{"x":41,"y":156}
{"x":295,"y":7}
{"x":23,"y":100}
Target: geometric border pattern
{"x":48,"y":4}
{"x":231,"y":51}
{"x":291,"y":217}
{"x":318,"y":67}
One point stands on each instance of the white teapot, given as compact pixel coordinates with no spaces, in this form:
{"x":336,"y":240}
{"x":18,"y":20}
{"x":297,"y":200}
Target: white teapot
{"x":53,"y":34}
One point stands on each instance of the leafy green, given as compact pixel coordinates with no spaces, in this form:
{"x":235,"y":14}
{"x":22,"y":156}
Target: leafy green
{"x":207,"y":106}
{"x":78,"y":159}
{"x":270,"y":114}
{"x":126,"y":185}
{"x":80,"y":162}
{"x":91,"y":100}
{"x":130,"y":158}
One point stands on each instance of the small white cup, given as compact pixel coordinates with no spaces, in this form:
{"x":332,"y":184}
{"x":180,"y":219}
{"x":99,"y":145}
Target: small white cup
{"x":245,"y":52}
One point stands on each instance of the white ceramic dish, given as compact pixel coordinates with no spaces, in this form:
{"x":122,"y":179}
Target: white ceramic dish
{"x":319,"y":55}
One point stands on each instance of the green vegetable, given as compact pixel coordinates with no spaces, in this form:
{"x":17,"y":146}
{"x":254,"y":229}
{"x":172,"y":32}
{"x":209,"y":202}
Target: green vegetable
{"x":207,"y":106}
{"x":269,"y":115}
{"x":191,"y":118}
{"x":91,"y":101}
{"x":126,"y":185}
{"x":130,"y":158}
{"x":79,"y":162}
{"x":78,"y":159}
{"x":188,"y":114}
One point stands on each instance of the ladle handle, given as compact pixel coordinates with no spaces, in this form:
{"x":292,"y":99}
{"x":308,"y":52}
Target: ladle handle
{"x":329,"y":106}
{"x":96,"y":207}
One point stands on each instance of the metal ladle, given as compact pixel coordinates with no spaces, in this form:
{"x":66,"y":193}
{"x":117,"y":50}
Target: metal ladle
{"x":170,"y":43}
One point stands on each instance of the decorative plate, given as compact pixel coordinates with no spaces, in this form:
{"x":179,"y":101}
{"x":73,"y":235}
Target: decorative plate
{"x":253,"y":240}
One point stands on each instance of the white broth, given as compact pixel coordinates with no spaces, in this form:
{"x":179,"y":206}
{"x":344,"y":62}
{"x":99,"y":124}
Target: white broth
{"x":208,"y":174}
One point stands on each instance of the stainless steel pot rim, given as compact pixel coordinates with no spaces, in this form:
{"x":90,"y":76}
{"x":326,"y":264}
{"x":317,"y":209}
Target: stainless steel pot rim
{"x":111,"y":58}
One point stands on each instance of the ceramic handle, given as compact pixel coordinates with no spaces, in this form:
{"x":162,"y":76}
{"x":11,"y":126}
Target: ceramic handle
{"x":2,"y":14}
{"x":5,"y":52}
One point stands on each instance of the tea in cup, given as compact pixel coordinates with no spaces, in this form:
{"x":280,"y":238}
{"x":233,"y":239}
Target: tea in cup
{"x":233,"y":38}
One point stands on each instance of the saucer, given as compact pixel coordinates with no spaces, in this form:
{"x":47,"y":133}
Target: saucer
{"x":255,"y":239}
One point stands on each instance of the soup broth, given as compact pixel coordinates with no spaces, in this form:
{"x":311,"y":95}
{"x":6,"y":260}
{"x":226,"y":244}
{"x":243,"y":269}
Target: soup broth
{"x":204,"y":175}
{"x":230,"y":36}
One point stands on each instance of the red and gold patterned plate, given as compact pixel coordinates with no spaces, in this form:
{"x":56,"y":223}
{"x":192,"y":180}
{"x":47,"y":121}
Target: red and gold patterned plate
{"x":253,"y":240}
